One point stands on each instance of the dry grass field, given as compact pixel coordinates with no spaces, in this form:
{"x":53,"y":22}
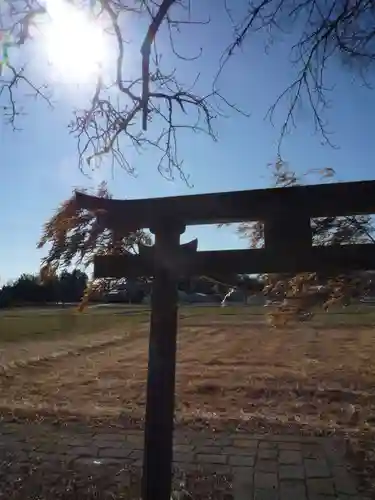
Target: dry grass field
{"x":231,"y":366}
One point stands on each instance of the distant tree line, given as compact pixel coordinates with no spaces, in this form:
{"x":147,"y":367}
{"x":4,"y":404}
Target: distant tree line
{"x":68,"y":287}
{"x":29,"y":289}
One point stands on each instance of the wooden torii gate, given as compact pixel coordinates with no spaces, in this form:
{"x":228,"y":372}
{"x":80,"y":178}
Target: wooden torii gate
{"x":286,"y":214}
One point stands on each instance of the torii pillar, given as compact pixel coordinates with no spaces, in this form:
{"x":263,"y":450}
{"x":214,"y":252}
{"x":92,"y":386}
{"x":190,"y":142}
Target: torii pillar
{"x":169,"y":259}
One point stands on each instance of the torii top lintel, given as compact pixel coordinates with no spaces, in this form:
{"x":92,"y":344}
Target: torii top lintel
{"x":346,"y":198}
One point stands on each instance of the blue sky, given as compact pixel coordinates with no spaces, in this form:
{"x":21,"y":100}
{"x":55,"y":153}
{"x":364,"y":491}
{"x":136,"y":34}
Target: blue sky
{"x":39,"y":164}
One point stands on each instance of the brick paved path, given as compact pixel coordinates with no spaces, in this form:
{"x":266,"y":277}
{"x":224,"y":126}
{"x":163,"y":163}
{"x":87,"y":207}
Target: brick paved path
{"x":262,"y":467}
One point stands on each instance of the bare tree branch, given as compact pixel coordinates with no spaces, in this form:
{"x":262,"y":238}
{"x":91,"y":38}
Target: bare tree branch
{"x":318,"y":31}
{"x":146,"y":52}
{"x":168,"y":107}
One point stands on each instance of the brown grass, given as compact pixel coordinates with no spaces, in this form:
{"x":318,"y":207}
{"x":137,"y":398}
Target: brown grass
{"x":302,"y":375}
{"x":35,"y":324}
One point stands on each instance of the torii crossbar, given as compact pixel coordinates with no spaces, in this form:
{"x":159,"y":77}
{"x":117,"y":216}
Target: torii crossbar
{"x":286,"y":214}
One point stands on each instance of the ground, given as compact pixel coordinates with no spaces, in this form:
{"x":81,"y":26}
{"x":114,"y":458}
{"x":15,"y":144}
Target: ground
{"x":101,"y":462}
{"x":233,"y":371}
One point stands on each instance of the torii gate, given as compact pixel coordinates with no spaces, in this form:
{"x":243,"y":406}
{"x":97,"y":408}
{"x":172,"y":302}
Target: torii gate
{"x":286,"y":213}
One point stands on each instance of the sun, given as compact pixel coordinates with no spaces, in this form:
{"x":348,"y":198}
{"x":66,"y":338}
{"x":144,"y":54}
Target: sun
{"x":75,"y":44}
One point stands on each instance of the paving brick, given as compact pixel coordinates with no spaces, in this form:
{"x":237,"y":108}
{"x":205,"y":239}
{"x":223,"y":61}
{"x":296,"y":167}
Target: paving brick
{"x":320,"y":486}
{"x":235,"y":450}
{"x":183,"y":457}
{"x":219,"y":440}
{"x":267,"y":454}
{"x":123,"y":478}
{"x":342,"y":496}
{"x":292,"y":490}
{"x":316,"y":467}
{"x":183,"y":448}
{"x":223,"y":440}
{"x":242,"y":490}
{"x":136,"y":439}
{"x":10,"y":441}
{"x":215,"y":468}
{"x":212,"y":450}
{"x":136,"y":454}
{"x":266,"y":465}
{"x":102,"y":443}
{"x":343,"y":481}
{"x":180,"y":438}
{"x":267,"y":445}
{"x":109,"y":437}
{"x":102,"y":462}
{"x":283,"y":438}
{"x":242,"y":461}
{"x":312,"y":451}
{"x":290,"y":457}
{"x":291,"y":472}
{"x":115,"y":453}
{"x":262,"y":460}
{"x":45,"y":457}
{"x":249,"y":436}
{"x":290,"y":446}
{"x":245,"y":474}
{"x":246,"y":443}
{"x":335,"y":460}
{"x":188,"y":467}
{"x":335,"y":450}
{"x":266,"y":495}
{"x":316,"y":496}
{"x":210,"y":458}
{"x":201,"y":440}
{"x":83,"y":451}
{"x":265,"y":480}
{"x":13,"y":428}
{"x":78,"y":442}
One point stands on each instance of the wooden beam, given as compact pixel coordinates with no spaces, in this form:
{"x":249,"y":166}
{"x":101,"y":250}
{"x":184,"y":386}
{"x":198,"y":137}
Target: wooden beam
{"x":288,"y":229}
{"x":347,"y":198}
{"x":323,"y":259}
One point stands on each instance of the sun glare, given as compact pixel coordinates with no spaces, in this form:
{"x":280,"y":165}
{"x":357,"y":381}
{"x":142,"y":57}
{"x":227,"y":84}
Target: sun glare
{"x":75,"y":45}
